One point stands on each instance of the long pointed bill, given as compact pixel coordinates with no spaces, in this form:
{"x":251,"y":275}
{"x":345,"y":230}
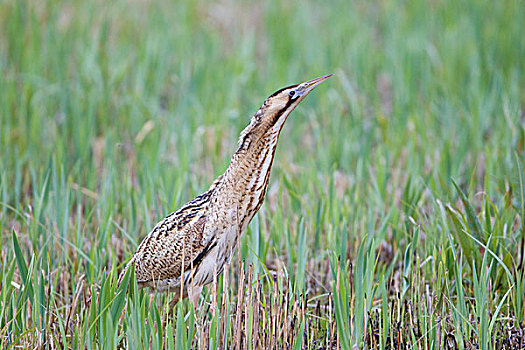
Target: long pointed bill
{"x":309,"y":85}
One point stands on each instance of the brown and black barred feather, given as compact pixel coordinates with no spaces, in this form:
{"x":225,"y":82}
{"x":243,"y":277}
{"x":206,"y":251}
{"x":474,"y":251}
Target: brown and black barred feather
{"x":196,"y":241}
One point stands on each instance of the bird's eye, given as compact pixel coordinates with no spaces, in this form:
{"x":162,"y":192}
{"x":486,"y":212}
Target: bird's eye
{"x":291,"y":93}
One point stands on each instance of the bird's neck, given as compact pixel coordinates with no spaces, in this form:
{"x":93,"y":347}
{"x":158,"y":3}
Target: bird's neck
{"x":247,"y":177}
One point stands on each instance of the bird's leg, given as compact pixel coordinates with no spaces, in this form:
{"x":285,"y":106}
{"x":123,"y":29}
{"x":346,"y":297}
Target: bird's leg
{"x":173,"y":302}
{"x":195,"y":293}
{"x":179,"y":295}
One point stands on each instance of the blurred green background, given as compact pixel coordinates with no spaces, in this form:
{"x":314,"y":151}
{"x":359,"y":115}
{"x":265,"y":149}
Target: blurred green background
{"x":115,"y":113}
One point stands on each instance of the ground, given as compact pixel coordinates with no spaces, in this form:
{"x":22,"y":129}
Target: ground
{"x":394,"y":217}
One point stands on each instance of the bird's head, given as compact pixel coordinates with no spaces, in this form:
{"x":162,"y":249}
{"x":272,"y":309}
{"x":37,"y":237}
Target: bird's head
{"x":270,"y":118}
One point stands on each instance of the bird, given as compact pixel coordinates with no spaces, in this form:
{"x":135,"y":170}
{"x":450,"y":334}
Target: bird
{"x":190,"y":247}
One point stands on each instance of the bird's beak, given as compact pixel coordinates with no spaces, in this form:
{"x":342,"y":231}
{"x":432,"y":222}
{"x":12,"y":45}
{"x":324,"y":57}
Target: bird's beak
{"x":309,"y":85}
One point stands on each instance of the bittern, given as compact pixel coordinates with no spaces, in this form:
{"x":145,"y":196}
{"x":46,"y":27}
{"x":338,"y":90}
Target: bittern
{"x":195,"y":242}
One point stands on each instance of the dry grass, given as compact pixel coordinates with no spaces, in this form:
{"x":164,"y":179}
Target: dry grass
{"x":395,"y":212}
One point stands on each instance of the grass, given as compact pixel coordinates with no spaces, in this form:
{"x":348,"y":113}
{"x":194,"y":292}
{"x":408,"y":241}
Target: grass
{"x":394,"y":217}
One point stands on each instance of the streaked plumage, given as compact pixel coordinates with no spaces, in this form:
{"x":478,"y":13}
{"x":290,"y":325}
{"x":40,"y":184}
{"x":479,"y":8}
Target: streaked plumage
{"x":200,"y":237}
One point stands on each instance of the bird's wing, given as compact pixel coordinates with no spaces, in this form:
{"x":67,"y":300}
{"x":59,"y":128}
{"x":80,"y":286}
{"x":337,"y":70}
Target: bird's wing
{"x":168,"y":250}
{"x":178,"y":241}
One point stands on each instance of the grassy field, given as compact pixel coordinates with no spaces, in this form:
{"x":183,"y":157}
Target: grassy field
{"x":394,"y":217}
